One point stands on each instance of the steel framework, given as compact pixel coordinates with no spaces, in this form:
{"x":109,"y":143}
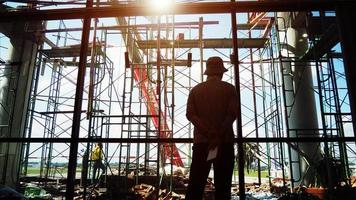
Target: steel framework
{"x":149,"y":130}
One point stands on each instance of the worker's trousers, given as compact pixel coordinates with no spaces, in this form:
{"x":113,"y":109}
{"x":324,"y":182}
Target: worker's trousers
{"x":200,"y":168}
{"x":98,"y":165}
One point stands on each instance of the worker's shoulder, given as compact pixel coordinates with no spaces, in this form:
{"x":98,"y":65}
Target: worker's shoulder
{"x":226,"y":84}
{"x":198,"y":86}
{"x":208,"y":84}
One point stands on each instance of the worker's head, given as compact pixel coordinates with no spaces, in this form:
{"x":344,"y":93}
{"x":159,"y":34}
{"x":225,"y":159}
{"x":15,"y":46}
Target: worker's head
{"x":100,"y":145}
{"x":215,"y":67}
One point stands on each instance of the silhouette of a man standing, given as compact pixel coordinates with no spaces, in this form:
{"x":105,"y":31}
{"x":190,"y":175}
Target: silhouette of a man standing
{"x":211,"y":107}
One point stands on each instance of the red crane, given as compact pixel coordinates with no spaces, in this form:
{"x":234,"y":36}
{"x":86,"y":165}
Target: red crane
{"x":150,"y":95}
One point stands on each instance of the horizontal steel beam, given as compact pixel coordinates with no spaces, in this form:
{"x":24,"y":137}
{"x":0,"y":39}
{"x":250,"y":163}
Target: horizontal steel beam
{"x":174,"y":140}
{"x":181,"y":8}
{"x":66,"y":112}
{"x":207,"y":43}
{"x":138,"y":26}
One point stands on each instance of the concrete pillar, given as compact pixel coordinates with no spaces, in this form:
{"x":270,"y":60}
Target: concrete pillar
{"x":15,"y":87}
{"x":301,"y":105}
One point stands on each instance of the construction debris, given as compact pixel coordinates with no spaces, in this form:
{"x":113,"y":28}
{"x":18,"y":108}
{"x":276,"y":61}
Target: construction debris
{"x":92,"y":192}
{"x":254,"y":191}
{"x":164,"y":195}
{"x":33,"y":191}
{"x":144,"y":192}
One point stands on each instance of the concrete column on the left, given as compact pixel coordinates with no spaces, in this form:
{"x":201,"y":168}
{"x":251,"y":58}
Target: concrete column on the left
{"x":15,"y":87}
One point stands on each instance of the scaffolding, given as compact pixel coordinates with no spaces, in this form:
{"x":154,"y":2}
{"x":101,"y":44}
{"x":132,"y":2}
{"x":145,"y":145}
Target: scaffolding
{"x":135,"y":103}
{"x":51,"y":100}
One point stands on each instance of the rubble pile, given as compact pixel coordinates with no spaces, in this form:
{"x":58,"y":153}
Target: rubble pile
{"x":254,"y":191}
{"x":265,"y":190}
{"x":144,"y":192}
{"x":92,"y":192}
{"x":149,"y":192}
{"x":125,"y":187}
{"x":279,"y":186}
{"x":165,"y":195}
{"x":40,"y":188}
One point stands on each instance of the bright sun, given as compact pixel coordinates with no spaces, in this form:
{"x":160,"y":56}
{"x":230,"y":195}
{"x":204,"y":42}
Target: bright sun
{"x":161,"y":5}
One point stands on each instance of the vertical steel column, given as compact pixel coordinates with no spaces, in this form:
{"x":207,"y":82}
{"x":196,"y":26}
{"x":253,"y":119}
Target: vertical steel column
{"x":345,"y":17}
{"x":239,"y":121}
{"x":78,"y":106}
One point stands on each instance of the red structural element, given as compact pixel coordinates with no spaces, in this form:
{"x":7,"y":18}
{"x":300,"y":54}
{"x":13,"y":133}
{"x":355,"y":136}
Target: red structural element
{"x":140,"y":75}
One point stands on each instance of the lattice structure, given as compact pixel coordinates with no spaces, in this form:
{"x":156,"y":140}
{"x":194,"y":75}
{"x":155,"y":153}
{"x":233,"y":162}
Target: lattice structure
{"x":133,"y":102}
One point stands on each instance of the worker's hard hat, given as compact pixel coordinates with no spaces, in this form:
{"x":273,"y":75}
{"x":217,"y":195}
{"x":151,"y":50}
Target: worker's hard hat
{"x":214,"y":65}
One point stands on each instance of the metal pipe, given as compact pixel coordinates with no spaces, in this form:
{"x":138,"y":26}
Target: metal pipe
{"x":30,"y":114}
{"x":91,"y":74}
{"x":159,"y":100}
{"x":255,"y":108}
{"x":274,"y":80}
{"x":201,"y":48}
{"x":173,"y":101}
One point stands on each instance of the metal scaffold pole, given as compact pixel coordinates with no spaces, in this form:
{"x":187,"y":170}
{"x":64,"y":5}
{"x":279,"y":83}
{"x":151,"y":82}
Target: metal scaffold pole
{"x":159,"y":103}
{"x":72,"y":165}
{"x":255,"y":109}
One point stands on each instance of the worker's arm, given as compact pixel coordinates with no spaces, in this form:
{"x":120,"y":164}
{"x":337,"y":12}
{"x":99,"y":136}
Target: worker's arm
{"x":193,"y":117}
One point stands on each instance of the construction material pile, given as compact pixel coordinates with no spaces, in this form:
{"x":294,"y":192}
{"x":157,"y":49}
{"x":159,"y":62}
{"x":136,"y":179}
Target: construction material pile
{"x":149,"y":192}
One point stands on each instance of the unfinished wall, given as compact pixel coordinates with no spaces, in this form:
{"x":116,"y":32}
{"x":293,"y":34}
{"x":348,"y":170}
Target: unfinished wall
{"x":15,"y":88}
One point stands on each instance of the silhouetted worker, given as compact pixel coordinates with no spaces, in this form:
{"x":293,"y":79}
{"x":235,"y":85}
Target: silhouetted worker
{"x":211,"y":107}
{"x":97,"y":157}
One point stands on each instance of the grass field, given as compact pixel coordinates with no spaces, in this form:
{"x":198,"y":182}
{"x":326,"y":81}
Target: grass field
{"x":36,"y":170}
{"x":253,"y":173}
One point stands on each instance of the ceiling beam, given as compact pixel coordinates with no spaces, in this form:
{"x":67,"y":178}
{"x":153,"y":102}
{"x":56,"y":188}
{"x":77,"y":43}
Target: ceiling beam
{"x":181,"y":8}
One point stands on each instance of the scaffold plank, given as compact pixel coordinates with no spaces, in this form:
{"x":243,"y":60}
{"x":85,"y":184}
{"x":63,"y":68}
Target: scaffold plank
{"x":67,"y":51}
{"x":259,"y":26}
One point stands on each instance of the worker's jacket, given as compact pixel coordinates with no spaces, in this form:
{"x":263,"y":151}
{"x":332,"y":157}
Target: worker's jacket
{"x":96,"y":154}
{"x":212,"y":106}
